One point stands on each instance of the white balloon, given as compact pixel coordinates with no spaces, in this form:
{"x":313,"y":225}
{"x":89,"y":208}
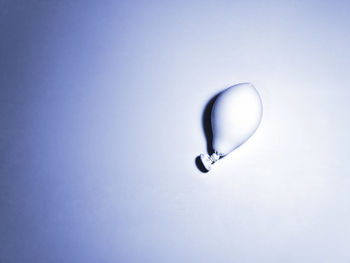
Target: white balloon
{"x":235,"y":116}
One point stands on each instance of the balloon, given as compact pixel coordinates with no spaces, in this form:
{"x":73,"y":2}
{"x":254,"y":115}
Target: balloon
{"x":235,"y":116}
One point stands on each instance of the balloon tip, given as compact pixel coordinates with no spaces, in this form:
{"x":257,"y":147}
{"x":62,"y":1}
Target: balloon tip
{"x":206,"y":161}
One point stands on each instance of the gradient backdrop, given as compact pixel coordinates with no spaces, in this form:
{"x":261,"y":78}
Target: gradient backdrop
{"x":101,"y":108}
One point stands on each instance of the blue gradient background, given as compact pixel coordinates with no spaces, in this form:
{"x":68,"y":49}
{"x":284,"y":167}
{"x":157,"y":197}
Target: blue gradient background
{"x":100,"y":122}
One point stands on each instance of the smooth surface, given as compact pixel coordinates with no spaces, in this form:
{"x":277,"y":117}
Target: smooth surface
{"x":235,"y":116}
{"x":100,"y":122}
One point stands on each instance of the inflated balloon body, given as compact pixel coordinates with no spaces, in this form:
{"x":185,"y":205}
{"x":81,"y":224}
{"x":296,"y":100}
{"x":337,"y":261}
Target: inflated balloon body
{"x":235,"y":116}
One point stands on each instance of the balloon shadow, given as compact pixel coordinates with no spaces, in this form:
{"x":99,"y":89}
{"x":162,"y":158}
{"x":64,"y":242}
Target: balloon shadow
{"x":208,"y":131}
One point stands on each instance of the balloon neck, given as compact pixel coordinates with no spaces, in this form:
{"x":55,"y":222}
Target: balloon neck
{"x":208,"y":161}
{"x":215,"y":157}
